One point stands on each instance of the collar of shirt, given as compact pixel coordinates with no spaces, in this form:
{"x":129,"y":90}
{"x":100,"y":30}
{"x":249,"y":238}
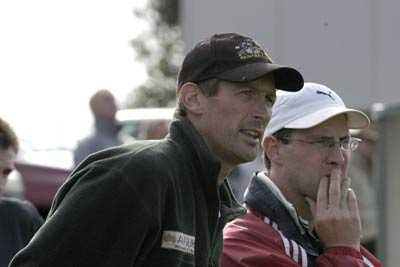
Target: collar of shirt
{"x":303,"y":224}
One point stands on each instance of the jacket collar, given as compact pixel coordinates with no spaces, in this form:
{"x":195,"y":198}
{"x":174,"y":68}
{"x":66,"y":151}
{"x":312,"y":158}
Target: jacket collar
{"x":264,"y":199}
{"x":207,"y":167}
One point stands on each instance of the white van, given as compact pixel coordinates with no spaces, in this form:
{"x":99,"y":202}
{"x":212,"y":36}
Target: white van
{"x":145,"y":123}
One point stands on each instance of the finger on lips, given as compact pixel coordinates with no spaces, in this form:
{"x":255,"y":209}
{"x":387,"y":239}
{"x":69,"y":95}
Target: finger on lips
{"x":322,"y":196}
{"x":335,"y":187}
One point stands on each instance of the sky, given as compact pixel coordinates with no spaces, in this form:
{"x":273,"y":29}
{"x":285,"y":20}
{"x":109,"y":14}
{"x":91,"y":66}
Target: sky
{"x":55,"y":54}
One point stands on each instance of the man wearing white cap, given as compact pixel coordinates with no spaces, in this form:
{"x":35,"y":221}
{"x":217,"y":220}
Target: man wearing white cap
{"x":301,"y":211}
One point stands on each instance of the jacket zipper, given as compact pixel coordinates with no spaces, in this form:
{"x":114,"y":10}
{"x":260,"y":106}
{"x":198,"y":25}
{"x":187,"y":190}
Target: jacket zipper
{"x":211,"y":260}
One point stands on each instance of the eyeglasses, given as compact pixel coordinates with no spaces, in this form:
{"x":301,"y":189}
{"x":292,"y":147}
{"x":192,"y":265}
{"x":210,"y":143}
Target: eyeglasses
{"x":348,"y":144}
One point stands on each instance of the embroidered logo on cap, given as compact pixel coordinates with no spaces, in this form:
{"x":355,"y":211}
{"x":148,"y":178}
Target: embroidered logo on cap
{"x":249,"y":49}
{"x":178,"y":241}
{"x":329,"y":94}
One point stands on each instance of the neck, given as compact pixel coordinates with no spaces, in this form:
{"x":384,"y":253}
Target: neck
{"x":223,"y":173}
{"x":106,"y":125}
{"x":298,"y":201}
{"x":226,"y":167}
{"x":303,"y":209}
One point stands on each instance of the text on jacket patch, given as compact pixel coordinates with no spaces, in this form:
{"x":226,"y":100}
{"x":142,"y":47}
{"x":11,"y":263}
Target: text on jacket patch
{"x":178,"y":241}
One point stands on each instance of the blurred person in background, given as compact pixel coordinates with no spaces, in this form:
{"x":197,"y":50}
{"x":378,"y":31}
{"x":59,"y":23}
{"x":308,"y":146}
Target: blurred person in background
{"x":361,"y":171}
{"x":302,"y":211}
{"x":106,"y":129}
{"x":165,"y":202}
{"x":19,"y":220}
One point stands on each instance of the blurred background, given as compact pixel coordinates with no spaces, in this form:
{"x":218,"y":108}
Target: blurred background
{"x":55,"y":55}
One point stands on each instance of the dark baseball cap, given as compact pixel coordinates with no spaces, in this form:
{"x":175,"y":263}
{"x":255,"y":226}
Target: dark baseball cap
{"x":236,"y":58}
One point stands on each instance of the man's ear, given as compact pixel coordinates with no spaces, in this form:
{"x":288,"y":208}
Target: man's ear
{"x":272,"y":147}
{"x":191,"y":96}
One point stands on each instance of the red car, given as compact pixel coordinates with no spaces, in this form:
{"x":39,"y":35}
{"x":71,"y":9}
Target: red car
{"x":43,"y":171}
{"x":40,"y":183}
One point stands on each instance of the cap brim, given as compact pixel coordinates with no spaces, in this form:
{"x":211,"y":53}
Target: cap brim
{"x":356,"y":119}
{"x":286,"y":78}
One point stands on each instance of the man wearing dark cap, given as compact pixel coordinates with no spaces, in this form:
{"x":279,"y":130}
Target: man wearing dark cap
{"x":164,"y":203}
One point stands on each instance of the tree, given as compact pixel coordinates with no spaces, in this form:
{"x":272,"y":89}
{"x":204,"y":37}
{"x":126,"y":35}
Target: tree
{"x":161,"y":49}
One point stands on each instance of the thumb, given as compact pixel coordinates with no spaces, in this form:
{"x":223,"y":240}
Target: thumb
{"x":311,"y":203}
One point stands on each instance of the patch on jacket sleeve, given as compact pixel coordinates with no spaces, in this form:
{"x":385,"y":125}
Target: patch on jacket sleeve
{"x":178,"y":241}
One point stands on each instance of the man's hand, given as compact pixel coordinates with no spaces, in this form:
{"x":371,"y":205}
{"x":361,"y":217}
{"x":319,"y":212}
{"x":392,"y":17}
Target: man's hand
{"x":336,"y":216}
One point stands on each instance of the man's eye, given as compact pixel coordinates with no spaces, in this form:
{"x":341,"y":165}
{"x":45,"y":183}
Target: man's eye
{"x":6,"y":172}
{"x":325,"y":142}
{"x":270,"y":99}
{"x":247,"y":92}
{"x":345,"y":140}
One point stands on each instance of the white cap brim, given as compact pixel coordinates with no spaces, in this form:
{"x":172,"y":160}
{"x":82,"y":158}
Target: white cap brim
{"x":355,"y":118}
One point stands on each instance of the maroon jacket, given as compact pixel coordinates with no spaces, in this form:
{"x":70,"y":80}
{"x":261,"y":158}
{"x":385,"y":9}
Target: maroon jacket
{"x":257,"y":240}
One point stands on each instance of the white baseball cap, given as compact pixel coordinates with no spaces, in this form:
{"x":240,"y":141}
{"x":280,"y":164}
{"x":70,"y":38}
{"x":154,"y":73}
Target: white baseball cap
{"x":312,"y":105}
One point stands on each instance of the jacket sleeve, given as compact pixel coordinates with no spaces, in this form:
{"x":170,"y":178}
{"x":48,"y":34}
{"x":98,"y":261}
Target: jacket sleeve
{"x":238,"y":253}
{"x":249,"y":242}
{"x":344,"y":256}
{"x":33,"y":218}
{"x":97,"y":219}
{"x":247,"y":253}
{"x":253,"y":244}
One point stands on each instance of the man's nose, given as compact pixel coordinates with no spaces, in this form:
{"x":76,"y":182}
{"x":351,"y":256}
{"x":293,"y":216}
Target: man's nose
{"x":337,"y":155}
{"x":261,"y":111}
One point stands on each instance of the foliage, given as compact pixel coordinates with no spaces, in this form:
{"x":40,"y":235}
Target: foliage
{"x":161,"y":49}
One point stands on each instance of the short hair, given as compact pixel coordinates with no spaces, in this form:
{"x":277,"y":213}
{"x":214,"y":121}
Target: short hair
{"x":280,"y":135}
{"x":94,"y":99}
{"x":208,"y":87}
{"x":8,"y":138}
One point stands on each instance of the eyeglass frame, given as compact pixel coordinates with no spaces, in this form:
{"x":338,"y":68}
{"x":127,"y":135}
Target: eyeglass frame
{"x":351,"y":142}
